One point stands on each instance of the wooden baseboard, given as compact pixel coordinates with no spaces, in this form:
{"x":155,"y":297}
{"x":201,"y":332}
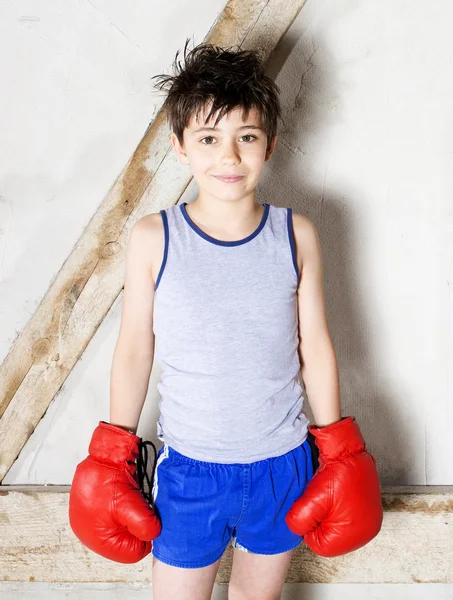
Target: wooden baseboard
{"x":415,"y":544}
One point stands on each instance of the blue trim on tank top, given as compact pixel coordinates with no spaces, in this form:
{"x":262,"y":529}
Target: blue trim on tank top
{"x":166,"y":236}
{"x":220,"y":242}
{"x":289,"y":222}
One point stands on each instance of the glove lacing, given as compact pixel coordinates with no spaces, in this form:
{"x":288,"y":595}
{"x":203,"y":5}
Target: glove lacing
{"x":142,"y":474}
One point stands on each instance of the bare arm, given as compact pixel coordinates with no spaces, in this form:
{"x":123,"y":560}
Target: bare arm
{"x":134,"y":352}
{"x":318,"y":359}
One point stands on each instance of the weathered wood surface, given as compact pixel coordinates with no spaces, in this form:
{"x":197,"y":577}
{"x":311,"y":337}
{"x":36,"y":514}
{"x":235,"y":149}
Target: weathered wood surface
{"x":415,"y":544}
{"x":92,"y":276}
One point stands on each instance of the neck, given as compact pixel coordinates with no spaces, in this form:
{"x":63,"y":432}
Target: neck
{"x":229,"y":215}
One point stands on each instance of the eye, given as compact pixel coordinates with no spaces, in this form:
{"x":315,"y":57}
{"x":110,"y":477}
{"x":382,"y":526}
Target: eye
{"x":210,"y":137}
{"x":249,"y":135}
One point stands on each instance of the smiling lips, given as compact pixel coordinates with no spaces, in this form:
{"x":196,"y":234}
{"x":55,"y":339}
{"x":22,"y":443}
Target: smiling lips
{"x":227,"y":179}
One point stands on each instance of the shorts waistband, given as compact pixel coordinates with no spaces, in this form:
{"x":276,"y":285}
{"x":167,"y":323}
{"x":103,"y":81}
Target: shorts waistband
{"x":172,"y":453}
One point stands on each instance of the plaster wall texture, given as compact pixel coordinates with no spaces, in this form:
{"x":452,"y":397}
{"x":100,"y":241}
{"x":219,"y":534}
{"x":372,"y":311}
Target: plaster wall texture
{"x":365,"y":153}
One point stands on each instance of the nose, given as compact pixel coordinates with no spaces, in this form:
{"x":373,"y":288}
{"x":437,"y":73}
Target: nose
{"x":230,"y":154}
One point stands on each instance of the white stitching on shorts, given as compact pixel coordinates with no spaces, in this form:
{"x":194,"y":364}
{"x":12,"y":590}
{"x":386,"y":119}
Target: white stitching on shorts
{"x":155,"y":483}
{"x":237,"y":545}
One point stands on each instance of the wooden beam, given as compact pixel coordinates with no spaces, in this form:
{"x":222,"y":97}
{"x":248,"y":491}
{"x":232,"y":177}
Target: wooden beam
{"x":415,"y":544}
{"x":91,"y":278}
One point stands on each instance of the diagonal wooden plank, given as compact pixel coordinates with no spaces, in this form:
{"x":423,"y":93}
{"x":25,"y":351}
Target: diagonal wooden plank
{"x":413,"y":546}
{"x":92,"y":276}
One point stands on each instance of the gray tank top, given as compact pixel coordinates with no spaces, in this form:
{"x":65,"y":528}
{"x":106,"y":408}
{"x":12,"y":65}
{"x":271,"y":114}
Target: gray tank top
{"x":226,"y":337}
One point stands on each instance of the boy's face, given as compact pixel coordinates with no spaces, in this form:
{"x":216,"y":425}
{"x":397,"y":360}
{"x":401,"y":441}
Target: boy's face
{"x":234,"y":147}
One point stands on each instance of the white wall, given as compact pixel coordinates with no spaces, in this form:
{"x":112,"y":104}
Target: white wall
{"x":365,"y":153}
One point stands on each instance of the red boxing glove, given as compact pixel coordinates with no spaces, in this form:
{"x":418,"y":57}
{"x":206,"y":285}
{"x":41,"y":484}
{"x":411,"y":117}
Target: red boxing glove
{"x":108,"y":511}
{"x":341,"y":507}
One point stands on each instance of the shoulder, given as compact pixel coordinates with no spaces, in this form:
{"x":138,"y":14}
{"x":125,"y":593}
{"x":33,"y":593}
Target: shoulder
{"x":148,"y":236}
{"x":303,"y":225}
{"x":304,"y":230}
{"x":306,"y":237}
{"x":149,"y":227}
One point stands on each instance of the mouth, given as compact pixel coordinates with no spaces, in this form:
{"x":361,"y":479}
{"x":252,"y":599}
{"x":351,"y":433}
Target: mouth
{"x":229,"y":179}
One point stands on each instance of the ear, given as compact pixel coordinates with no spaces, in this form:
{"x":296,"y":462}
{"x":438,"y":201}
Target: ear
{"x":179,"y":149}
{"x":270,"y":148}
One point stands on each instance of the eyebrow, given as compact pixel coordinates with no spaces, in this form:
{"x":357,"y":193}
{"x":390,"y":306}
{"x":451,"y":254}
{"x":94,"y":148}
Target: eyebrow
{"x":217,"y":129}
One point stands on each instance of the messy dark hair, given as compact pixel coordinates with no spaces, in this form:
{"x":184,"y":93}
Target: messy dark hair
{"x":226,"y":77}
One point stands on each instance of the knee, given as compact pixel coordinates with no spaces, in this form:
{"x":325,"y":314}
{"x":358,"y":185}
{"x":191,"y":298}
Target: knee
{"x":234,"y":593}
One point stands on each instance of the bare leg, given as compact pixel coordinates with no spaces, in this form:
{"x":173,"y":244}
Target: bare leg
{"x":258,"y":576}
{"x":171,"y":582}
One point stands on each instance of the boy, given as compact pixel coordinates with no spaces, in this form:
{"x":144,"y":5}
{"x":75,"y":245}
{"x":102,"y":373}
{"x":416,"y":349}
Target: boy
{"x":225,"y":292}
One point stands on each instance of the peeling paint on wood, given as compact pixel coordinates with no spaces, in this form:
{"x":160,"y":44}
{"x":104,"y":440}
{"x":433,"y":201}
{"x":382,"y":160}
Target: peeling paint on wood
{"x":414,"y":546}
{"x":418,"y":505}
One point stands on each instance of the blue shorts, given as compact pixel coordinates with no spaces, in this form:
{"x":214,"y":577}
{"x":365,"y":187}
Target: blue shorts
{"x":202,"y":505}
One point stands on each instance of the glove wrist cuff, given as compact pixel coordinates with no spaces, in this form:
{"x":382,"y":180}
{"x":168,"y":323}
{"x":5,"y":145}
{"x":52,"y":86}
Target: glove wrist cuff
{"x":338,"y":440}
{"x":113,"y":444}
